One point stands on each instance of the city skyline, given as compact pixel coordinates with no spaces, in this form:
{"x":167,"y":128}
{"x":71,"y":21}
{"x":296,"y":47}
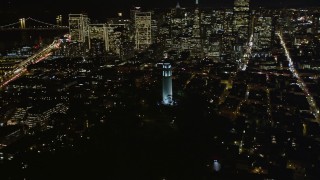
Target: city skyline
{"x":228,"y":91}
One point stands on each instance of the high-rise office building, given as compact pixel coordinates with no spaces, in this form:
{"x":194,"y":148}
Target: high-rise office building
{"x":120,"y":41}
{"x":98,"y":32}
{"x":178,"y":25}
{"x":115,"y":38}
{"x":78,"y":27}
{"x":262,"y":32}
{"x":196,"y":41}
{"x":241,"y":19}
{"x":142,"y":30}
{"x":196,"y":23}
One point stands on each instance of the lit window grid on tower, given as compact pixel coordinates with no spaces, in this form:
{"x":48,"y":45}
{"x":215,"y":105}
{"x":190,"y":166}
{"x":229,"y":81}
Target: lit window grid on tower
{"x":115,"y":40}
{"x":98,"y":31}
{"x":142,"y":30}
{"x":196,"y":25}
{"x":241,"y":18}
{"x":241,"y":4}
{"x":262,"y":32}
{"x":78,"y":27}
{"x":228,"y":21}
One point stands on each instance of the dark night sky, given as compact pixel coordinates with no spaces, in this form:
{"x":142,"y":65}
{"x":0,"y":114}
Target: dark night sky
{"x":100,"y":9}
{"x":92,"y":4}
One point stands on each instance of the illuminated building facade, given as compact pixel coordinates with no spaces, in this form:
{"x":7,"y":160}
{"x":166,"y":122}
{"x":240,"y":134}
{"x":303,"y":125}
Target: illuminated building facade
{"x":178,"y":24}
{"x":78,"y":27}
{"x":196,"y":24}
{"x":241,"y":19}
{"x":196,"y":41}
{"x":98,"y":32}
{"x":114,"y":44}
{"x":262,"y":32}
{"x":120,"y":42}
{"x":142,"y":30}
{"x":167,"y":84}
{"x":212,"y":28}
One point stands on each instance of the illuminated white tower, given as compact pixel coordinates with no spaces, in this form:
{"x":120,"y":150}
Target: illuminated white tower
{"x":167,"y":84}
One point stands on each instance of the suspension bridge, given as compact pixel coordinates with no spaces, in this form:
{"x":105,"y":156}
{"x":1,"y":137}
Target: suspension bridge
{"x":32,"y":24}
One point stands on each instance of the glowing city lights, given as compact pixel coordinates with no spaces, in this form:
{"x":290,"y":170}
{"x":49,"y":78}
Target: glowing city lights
{"x":22,"y":67}
{"x":300,"y":82}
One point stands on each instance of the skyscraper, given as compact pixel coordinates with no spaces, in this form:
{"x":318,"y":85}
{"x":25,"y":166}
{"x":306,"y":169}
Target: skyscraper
{"x":241,"y":20}
{"x":167,"y":84}
{"x":120,"y":40}
{"x":196,"y":45}
{"x":142,"y":29}
{"x":79,"y":27}
{"x":98,"y":31}
{"x":262,"y":31}
{"x":115,"y":38}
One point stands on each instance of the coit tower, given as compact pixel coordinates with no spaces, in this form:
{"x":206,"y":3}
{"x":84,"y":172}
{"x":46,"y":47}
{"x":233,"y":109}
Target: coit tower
{"x":167,"y":84}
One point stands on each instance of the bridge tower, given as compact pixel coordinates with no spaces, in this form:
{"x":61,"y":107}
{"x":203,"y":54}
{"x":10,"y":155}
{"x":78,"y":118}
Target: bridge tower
{"x":59,"y":20}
